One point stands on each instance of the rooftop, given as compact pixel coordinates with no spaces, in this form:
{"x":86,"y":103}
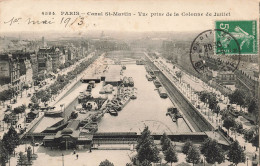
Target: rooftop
{"x":113,"y":73}
{"x":73,"y":124}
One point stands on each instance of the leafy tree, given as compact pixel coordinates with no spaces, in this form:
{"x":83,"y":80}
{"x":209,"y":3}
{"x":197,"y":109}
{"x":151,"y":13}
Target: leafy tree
{"x":236,"y":153}
{"x":3,"y":154}
{"x":237,"y":97}
{"x":34,"y":99}
{"x":249,"y":135}
{"x":203,"y":95}
{"x":185,"y":149}
{"x":3,"y":97}
{"x":252,"y":106}
{"x":6,"y":94}
{"x":39,"y":77}
{"x":238,"y":127}
{"x":212,"y":99}
{"x":171,"y":155}
{"x":217,"y":109}
{"x":45,"y":98}
{"x":22,"y":159}
{"x":19,"y":109}
{"x":106,"y":163}
{"x":255,"y":141}
{"x":253,"y":109}
{"x":61,"y":78}
{"x":26,"y":87}
{"x":166,"y":144}
{"x":146,"y":148}
{"x":10,"y":140}
{"x":179,"y":74}
{"x":163,"y":138}
{"x":212,"y":152}
{"x":225,"y":113}
{"x":229,"y":122}
{"x":193,"y":155}
{"x":145,"y":163}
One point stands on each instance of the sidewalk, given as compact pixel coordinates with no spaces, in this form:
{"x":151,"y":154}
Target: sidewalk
{"x":26,"y":100}
{"x":198,"y":85}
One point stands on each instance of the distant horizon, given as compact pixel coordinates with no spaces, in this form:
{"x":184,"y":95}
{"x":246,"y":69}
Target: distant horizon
{"x":96,"y":34}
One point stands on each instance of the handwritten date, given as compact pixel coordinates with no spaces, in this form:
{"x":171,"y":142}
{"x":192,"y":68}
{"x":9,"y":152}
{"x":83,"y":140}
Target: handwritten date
{"x":65,"y":21}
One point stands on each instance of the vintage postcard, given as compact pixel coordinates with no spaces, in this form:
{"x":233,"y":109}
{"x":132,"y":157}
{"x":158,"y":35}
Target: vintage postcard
{"x":129,"y":83}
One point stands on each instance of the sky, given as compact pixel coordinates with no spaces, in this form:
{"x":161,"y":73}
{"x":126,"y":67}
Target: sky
{"x":32,"y":10}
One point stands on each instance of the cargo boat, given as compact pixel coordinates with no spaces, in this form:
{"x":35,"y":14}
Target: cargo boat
{"x":174,"y":114}
{"x":130,"y":82}
{"x":162,"y":92}
{"x":157,"y":83}
{"x":149,"y":78}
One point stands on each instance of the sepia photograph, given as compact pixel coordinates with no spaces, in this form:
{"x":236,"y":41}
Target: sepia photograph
{"x":129,"y":83}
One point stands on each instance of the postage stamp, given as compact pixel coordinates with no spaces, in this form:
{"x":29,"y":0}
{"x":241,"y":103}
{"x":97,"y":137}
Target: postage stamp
{"x":208,"y":53}
{"x":245,"y":33}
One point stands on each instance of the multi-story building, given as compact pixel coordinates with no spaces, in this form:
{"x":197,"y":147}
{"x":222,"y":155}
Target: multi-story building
{"x":226,"y":78}
{"x":15,"y":73}
{"x":10,"y":71}
{"x":29,"y":72}
{"x":57,"y":55}
{"x":44,"y":61}
{"x":247,"y":82}
{"x":34,"y":64}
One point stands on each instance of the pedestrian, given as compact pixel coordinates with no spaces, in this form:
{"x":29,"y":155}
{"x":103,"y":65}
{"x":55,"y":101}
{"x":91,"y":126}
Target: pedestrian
{"x":74,"y":152}
{"x":77,"y":156}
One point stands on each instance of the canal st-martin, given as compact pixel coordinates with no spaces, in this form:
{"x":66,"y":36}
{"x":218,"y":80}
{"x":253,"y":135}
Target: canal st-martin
{"x":117,"y":95}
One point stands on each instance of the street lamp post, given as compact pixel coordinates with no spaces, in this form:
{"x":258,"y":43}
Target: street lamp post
{"x":62,"y":155}
{"x":247,"y":161}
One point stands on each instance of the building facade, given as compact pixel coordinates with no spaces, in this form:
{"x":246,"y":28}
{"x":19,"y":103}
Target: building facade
{"x":34,"y":64}
{"x":10,"y":71}
{"x":44,"y":63}
{"x":29,"y":72}
{"x":247,"y":82}
{"x":226,"y":78}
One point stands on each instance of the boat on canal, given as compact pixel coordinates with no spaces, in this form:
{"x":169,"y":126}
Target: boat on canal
{"x":149,"y":78}
{"x":113,"y":112}
{"x":162,"y":92}
{"x":152,"y":74}
{"x":131,"y":81}
{"x":125,"y":82}
{"x":157,"y":83}
{"x":174,"y":113}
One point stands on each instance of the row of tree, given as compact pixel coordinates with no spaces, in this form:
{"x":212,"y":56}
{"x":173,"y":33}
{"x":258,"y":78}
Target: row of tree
{"x":61,"y":82}
{"x":8,"y":144}
{"x":147,"y":151}
{"x":168,"y":149}
{"x":213,"y":153}
{"x":209,"y":98}
{"x":7,"y":94}
{"x":250,"y":135}
{"x":245,"y":99}
{"x":16,"y":111}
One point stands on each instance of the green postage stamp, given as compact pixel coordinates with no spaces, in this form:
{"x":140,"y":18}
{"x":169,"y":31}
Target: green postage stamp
{"x":244,"y":34}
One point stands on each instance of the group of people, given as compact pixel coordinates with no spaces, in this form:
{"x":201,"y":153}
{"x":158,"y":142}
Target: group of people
{"x":77,"y":156}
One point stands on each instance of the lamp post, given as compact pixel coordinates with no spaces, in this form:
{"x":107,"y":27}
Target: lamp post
{"x":62,"y":155}
{"x":247,"y":161}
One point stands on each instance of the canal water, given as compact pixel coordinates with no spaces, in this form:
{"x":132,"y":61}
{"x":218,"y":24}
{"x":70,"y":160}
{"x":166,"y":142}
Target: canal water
{"x":147,"y":110}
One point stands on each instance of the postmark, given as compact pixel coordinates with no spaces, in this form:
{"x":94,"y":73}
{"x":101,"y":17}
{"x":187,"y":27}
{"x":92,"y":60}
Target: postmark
{"x":208,"y":53}
{"x":245,"y":32}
